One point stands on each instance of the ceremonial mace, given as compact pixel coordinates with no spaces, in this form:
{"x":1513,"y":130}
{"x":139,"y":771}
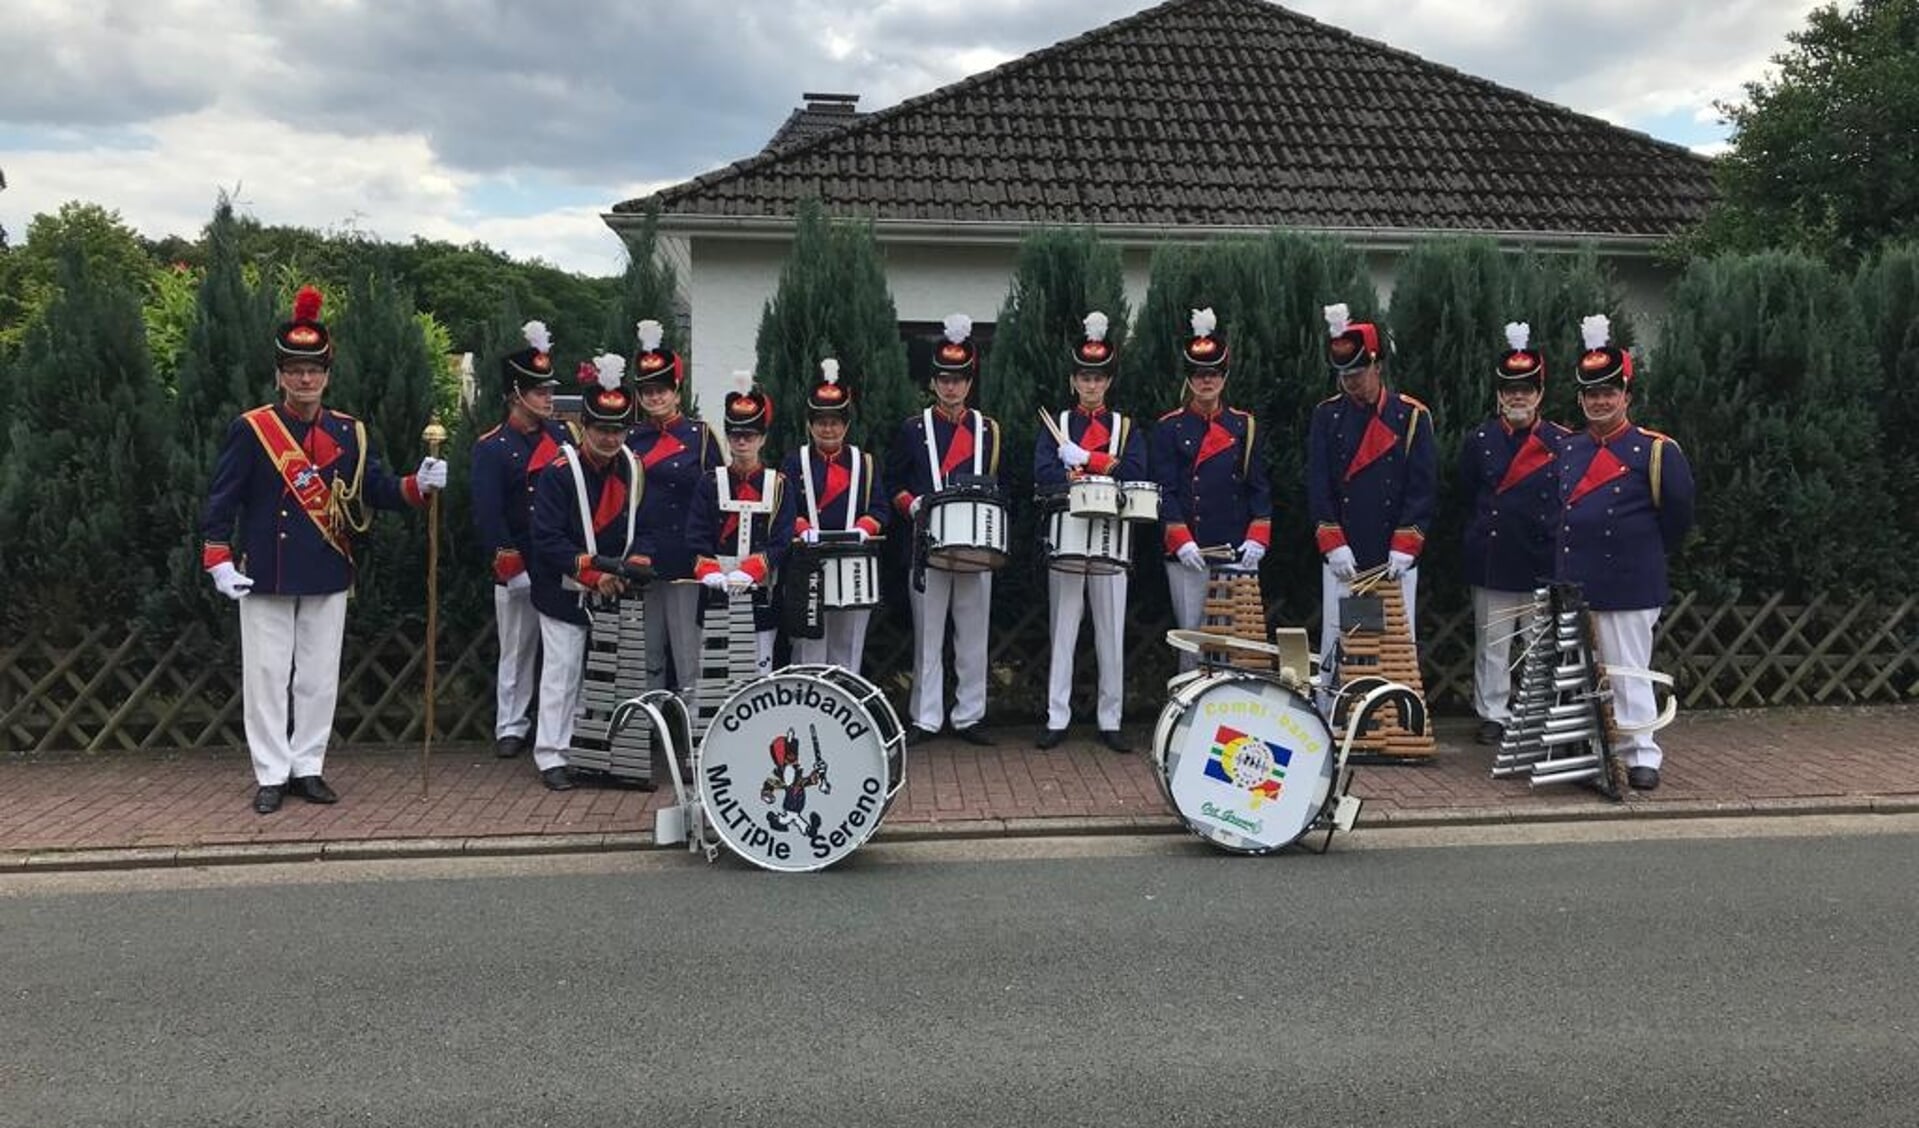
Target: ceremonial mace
{"x":433,"y":436}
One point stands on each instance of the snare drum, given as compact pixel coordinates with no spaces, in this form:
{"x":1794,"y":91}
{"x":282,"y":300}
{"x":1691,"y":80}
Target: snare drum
{"x":1139,"y":501}
{"x":1246,"y":763}
{"x":800,"y":767}
{"x":1088,"y":546}
{"x":966,"y":530}
{"x":850,"y":573}
{"x":1093,"y":495}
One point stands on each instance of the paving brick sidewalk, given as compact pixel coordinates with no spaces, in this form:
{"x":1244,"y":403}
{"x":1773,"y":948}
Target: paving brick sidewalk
{"x":1731,"y":762}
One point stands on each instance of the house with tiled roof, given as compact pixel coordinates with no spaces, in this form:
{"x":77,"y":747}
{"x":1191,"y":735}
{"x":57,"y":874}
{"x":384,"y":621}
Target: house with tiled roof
{"x":1190,"y":120}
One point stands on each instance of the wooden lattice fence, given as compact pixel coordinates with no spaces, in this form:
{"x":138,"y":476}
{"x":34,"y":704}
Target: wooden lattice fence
{"x":108,"y":688}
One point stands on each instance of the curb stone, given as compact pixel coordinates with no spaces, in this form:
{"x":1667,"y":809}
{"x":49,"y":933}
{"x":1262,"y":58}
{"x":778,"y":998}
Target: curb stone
{"x":226,"y":854}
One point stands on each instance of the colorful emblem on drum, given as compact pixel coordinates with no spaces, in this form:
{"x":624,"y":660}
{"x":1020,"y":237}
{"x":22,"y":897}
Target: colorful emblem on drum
{"x":790,"y":781}
{"x":1255,"y":766}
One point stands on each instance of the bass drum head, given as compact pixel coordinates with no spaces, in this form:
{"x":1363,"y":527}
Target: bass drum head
{"x":1246,"y":763}
{"x":797,"y":768}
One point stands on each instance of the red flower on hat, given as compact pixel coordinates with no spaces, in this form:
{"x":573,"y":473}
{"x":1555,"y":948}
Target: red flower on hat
{"x":307,"y":303}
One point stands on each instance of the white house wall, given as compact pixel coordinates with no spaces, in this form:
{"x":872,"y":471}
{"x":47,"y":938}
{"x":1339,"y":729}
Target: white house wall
{"x":729,"y":281}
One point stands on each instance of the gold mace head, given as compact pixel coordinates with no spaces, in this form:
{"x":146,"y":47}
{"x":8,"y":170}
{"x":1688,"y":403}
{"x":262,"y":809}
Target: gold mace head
{"x":434,"y":434}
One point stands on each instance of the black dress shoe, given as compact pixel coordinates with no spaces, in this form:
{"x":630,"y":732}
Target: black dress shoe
{"x":312,"y":788}
{"x":1050,"y":739}
{"x":1642,"y":779}
{"x":1491,"y":732}
{"x":1112,"y":739}
{"x":557,"y":779}
{"x":267,"y":799}
{"x":917,"y":735}
{"x":972,"y":735}
{"x":508,"y":747}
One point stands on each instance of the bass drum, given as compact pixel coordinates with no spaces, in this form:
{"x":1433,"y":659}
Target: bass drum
{"x":799,"y":768}
{"x":1246,"y":763}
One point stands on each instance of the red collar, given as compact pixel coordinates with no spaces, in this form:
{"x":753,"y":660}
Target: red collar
{"x":1102,"y":409}
{"x":1193,"y":409}
{"x":663,"y":424}
{"x":956,"y":420}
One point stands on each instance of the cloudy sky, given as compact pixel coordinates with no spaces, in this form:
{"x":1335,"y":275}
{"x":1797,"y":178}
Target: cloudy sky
{"x":517,"y":123}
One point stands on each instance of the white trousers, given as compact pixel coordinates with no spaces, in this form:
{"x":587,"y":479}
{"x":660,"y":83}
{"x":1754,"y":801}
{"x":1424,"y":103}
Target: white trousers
{"x":1188,"y":591}
{"x":967,"y":597}
{"x":844,"y":645}
{"x":562,"y":675}
{"x":1331,"y":591}
{"x":519,"y":630}
{"x":673,"y":615}
{"x":1624,"y":638}
{"x":290,"y":643}
{"x":1069,"y":594}
{"x":1496,"y":620}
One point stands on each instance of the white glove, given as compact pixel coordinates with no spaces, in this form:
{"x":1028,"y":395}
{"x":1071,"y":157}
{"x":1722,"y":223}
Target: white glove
{"x":913,"y":510}
{"x":864,"y":535}
{"x":739,"y":580}
{"x":1398,"y":564}
{"x":1190,"y":556}
{"x":518,"y":580}
{"x":1073,"y":455}
{"x":1340,"y":560}
{"x":431,"y":475}
{"x":810,"y":536}
{"x":229,"y":581}
{"x":714,"y":580}
{"x":1250,"y":554}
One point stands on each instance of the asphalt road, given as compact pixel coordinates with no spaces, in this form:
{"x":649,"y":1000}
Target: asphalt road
{"x":1740,"y":981}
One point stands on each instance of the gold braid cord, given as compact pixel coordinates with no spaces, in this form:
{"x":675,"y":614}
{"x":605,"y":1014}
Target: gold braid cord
{"x":346,"y":509}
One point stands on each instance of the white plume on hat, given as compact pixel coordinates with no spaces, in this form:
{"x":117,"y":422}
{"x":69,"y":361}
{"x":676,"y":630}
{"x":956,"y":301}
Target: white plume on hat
{"x":650,"y":334}
{"x":1338,"y":318}
{"x":830,"y":370}
{"x":1096,"y":326}
{"x":1597,"y":330}
{"x":742,"y":381}
{"x":607,"y":369}
{"x":1518,"y":335}
{"x":1204,"y":322}
{"x":958,"y":328}
{"x":537,"y":335}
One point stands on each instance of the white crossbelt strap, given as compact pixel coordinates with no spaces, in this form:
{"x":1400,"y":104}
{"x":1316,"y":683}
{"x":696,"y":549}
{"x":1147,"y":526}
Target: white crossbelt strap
{"x":744,"y":509}
{"x":812,"y":495}
{"x":933,"y":452}
{"x":586,"y":512}
{"x":1112,"y":440}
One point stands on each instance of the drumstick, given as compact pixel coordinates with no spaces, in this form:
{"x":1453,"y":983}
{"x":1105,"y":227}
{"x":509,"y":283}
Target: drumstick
{"x":1052,"y":427}
{"x":1220,"y":552}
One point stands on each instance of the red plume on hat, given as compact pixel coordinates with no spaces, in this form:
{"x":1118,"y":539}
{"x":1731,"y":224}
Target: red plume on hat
{"x":307,"y":303}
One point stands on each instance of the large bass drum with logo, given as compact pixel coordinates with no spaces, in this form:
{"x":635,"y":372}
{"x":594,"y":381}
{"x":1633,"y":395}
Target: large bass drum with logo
{"x":799,"y":768}
{"x":1246,"y":762}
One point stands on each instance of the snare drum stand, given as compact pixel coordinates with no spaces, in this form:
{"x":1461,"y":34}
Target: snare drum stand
{"x":685,"y":821}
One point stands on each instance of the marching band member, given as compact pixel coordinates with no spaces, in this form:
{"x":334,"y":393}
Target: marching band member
{"x":296,"y":478}
{"x":505,"y":461}
{"x":1628,"y":497}
{"x":586,"y":511}
{"x":1507,"y":463}
{"x":741,"y":521}
{"x":675,"y":453}
{"x":947,"y":439}
{"x":838,"y":492}
{"x":1215,"y":494}
{"x":1100,"y":441}
{"x":1370,"y":476}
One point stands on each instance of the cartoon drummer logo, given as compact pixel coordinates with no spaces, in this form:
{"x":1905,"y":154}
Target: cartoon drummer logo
{"x":790,"y":782}
{"x":1255,"y":766}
